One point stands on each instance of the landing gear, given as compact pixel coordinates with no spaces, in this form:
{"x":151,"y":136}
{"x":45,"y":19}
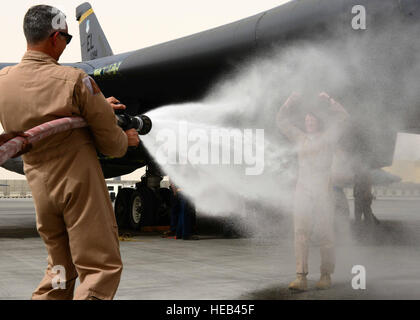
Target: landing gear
{"x":121,"y":207}
{"x":145,"y":205}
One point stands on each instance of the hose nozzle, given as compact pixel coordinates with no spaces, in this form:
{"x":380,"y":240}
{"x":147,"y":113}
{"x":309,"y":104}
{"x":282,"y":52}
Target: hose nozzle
{"x":141,"y":123}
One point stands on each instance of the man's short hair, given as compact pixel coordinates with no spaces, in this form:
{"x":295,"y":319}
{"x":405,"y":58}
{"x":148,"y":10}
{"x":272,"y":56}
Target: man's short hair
{"x":40,"y":22}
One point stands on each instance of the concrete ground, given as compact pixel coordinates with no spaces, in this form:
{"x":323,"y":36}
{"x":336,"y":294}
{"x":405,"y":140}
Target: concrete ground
{"x":214,"y":267}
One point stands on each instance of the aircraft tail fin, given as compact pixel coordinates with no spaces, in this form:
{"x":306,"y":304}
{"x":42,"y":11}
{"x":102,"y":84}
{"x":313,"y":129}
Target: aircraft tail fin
{"x":93,"y":42}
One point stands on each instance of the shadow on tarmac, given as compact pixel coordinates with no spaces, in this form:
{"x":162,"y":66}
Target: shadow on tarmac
{"x":18,"y":232}
{"x":387,"y":233}
{"x":339,"y":291}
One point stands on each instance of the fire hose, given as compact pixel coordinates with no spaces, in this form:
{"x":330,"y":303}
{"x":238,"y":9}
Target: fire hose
{"x":14,"y":146}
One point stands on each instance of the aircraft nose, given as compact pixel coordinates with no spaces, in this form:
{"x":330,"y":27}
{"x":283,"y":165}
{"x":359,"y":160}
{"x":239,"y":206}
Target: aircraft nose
{"x":410,"y":7}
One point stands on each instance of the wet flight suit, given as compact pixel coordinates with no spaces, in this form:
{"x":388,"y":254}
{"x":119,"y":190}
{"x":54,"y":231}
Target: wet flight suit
{"x":74,"y":214}
{"x":314,"y":198}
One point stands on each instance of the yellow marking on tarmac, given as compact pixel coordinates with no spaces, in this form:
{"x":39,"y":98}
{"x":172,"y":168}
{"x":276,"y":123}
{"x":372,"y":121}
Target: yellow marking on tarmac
{"x":85,"y":15}
{"x":127,"y":237}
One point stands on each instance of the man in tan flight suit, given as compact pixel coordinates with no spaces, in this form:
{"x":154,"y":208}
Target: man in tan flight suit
{"x":314,"y":198}
{"x":74,"y":214}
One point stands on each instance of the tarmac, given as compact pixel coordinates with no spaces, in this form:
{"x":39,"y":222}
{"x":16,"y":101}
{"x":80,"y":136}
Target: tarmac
{"x":216,"y":267}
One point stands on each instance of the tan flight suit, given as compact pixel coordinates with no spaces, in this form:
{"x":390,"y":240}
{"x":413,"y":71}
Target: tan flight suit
{"x":314,"y":198}
{"x":73,"y":209}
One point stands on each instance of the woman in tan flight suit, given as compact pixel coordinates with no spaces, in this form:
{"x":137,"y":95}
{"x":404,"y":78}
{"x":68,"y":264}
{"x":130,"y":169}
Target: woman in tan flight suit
{"x":313,"y":201}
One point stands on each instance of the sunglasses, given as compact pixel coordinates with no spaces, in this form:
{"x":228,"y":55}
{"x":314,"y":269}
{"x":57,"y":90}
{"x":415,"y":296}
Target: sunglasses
{"x":64,"y":34}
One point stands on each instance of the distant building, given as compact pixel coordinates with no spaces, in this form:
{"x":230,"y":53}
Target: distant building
{"x":400,"y":190}
{"x":15,"y":189}
{"x":20,"y":188}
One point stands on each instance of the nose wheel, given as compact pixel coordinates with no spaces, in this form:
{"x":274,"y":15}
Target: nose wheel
{"x":134,"y":208}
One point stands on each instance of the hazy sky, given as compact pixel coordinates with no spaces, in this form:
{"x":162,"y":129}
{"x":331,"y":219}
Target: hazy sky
{"x":132,"y":24}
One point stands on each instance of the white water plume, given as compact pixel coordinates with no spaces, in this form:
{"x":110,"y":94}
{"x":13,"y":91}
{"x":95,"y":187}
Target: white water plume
{"x":373,"y":76}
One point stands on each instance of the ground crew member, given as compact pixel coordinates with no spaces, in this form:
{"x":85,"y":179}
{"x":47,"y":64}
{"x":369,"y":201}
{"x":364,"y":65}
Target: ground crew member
{"x":74,"y":213}
{"x":183,"y":217}
{"x":314,"y":199}
{"x":362,"y":192}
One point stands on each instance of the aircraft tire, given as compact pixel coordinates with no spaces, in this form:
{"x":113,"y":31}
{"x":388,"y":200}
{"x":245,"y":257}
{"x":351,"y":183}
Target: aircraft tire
{"x":140,"y":209}
{"x":122,"y":206}
{"x":164,"y":212}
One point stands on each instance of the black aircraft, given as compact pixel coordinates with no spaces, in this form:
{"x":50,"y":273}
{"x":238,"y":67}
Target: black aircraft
{"x":184,"y":70}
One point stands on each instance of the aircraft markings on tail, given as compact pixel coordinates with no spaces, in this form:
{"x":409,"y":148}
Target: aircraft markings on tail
{"x":93,"y":42}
